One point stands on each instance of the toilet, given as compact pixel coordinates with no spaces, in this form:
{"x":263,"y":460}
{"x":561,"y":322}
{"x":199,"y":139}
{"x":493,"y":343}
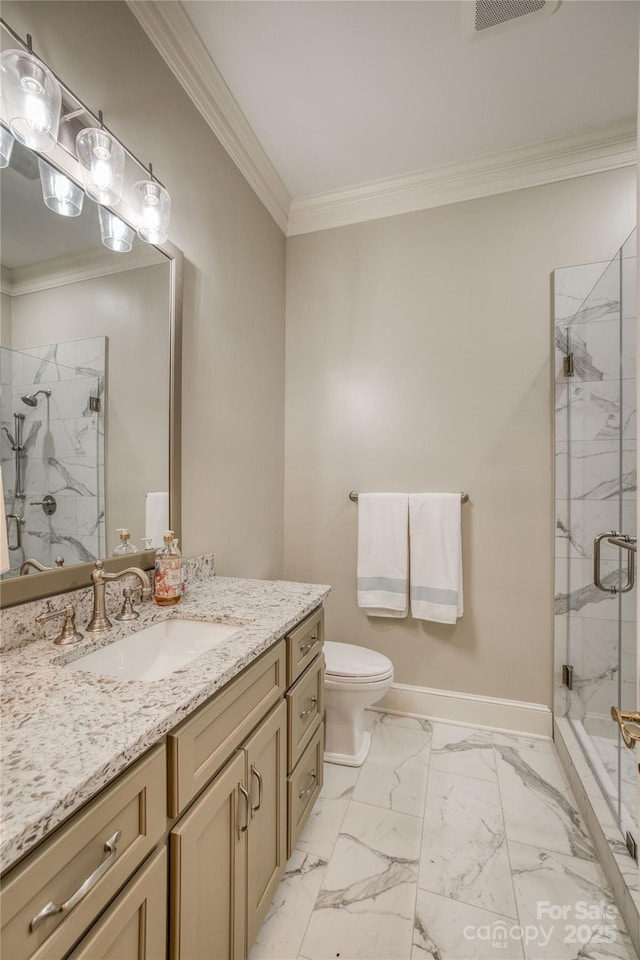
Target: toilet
{"x":355,"y":678}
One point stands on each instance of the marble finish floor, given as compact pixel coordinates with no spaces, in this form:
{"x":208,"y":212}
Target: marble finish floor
{"x":612,"y":757}
{"x":449,"y":843}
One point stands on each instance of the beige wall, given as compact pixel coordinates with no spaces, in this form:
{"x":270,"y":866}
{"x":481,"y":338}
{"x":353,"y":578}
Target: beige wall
{"x":5,"y":320}
{"x":132,"y":310}
{"x":418,"y":358}
{"x":234,"y":279}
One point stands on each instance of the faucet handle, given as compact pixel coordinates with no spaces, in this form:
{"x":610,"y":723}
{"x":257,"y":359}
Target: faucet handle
{"x":69,"y":632}
{"x":127,"y":612}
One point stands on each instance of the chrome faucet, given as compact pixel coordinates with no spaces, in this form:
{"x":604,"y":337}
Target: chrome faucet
{"x":99,"y":619}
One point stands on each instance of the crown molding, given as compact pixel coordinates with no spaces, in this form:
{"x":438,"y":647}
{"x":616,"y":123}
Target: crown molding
{"x":172,"y":33}
{"x":74,"y":268}
{"x":592,"y":151}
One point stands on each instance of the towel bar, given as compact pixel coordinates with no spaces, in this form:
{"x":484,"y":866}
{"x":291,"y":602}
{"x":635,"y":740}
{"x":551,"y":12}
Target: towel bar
{"x":464,"y":497}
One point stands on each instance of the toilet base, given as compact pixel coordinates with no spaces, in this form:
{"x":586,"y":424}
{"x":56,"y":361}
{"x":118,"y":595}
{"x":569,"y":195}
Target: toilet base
{"x":349,"y":759}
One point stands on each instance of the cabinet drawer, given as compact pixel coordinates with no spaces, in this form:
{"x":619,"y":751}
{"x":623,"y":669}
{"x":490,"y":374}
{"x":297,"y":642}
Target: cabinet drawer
{"x":303,"y":644}
{"x":134,"y":806}
{"x":198,"y":747}
{"x":304,"y":785}
{"x":305,"y":707}
{"x":134,"y":927}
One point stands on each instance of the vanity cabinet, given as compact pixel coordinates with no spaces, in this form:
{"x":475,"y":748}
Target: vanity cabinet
{"x":134,"y":927}
{"x":181,"y":855}
{"x":305,"y":713}
{"x":228,"y":852}
{"x":50,"y":899}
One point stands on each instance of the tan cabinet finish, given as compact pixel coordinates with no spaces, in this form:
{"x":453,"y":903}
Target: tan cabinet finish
{"x":305,"y":707}
{"x":134,"y":927}
{"x":303,"y":787}
{"x":87,"y":847}
{"x":266,"y":753}
{"x":228,"y":852}
{"x":198,"y":747}
{"x":208,"y":872}
{"x":304,"y":643}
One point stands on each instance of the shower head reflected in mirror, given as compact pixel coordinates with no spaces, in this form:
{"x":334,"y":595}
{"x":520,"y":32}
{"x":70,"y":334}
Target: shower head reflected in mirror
{"x":31,"y":398}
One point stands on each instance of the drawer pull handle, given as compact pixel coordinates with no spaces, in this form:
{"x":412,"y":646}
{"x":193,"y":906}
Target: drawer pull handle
{"x":53,"y":909}
{"x":258,"y":776}
{"x":244,"y":793}
{"x":312,"y":708}
{"x":305,"y":793}
{"x":307,"y":646}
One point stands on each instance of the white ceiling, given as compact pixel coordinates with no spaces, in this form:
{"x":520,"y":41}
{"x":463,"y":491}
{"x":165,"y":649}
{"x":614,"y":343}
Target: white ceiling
{"x":343,"y":92}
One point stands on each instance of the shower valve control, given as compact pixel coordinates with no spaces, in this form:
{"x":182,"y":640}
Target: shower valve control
{"x":48,"y":504}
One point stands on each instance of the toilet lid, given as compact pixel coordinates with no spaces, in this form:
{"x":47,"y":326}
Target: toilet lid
{"x":353,"y":663}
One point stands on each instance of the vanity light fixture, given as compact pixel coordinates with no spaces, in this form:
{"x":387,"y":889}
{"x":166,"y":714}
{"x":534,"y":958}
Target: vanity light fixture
{"x":152,"y":205}
{"x":116,"y":234}
{"x":101,"y":158}
{"x":31,"y":99}
{"x":60,"y":194}
{"x":6,"y":147}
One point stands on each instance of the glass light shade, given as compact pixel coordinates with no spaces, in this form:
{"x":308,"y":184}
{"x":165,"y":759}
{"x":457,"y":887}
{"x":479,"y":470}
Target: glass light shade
{"x":60,"y":194}
{"x":6,"y":147}
{"x":153,"y":211}
{"x":102,"y":160}
{"x":116,"y":234}
{"x":31,"y":100}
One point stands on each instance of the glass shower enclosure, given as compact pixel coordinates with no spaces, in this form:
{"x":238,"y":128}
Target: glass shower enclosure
{"x":595,"y":504}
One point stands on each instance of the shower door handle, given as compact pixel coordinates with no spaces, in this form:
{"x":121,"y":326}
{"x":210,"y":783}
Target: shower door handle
{"x":629,"y":724}
{"x":618,"y":540}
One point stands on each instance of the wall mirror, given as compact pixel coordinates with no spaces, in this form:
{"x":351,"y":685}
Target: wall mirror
{"x":90,"y":351}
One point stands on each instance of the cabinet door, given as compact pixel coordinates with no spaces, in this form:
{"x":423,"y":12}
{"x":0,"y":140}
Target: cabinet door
{"x":135,"y":925}
{"x":266,"y":838}
{"x":208,"y":871}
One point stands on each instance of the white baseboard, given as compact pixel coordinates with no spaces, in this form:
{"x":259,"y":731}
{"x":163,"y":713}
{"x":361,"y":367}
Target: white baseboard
{"x":513,"y":716}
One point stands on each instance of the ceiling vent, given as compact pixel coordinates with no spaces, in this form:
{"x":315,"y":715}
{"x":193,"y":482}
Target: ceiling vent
{"x":483,"y":17}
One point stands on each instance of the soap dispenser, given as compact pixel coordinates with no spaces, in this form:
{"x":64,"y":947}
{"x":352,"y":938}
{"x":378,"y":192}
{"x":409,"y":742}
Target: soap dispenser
{"x":124,"y":548}
{"x":185,"y":571}
{"x":168,"y":573}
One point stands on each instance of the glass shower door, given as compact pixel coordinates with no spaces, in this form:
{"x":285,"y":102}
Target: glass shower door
{"x":597,"y":427}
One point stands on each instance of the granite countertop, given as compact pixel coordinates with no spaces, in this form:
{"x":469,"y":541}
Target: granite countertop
{"x":66,"y":734}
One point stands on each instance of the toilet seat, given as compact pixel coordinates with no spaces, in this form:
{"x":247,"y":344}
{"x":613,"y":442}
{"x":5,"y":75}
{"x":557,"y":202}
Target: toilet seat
{"x":348,"y":663}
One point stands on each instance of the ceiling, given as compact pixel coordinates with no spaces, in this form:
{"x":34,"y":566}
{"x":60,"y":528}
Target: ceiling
{"x":341,"y":93}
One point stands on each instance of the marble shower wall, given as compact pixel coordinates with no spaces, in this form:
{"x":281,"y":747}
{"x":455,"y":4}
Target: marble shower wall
{"x":64,"y":449}
{"x":595,"y":451}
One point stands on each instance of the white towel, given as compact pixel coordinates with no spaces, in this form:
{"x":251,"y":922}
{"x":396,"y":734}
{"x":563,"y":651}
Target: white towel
{"x":383,"y":554}
{"x":435,"y":546}
{"x":157,"y":517}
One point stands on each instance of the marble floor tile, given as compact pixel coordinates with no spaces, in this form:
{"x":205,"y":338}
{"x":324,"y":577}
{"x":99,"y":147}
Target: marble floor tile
{"x":538,"y":804}
{"x":449,"y":930}
{"x":394,"y":775}
{"x":283,"y":930}
{"x":464,"y":849}
{"x":323,"y":826}
{"x":524,"y":744}
{"x":463,"y":750}
{"x":365,"y":907}
{"x":457,"y":881}
{"x":566,"y":907}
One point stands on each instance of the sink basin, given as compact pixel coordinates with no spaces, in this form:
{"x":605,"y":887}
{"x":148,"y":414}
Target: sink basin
{"x":157,"y":651}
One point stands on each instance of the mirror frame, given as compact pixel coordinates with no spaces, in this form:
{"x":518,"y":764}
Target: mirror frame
{"x":36,"y":586}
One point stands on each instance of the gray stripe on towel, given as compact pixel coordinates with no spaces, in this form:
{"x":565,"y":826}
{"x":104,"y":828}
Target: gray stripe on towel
{"x":435,"y":595}
{"x":382,"y":583}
